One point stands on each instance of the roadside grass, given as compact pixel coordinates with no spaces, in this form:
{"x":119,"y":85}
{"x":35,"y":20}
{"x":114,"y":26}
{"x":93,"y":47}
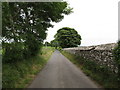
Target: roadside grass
{"x":20,"y":74}
{"x":1,"y":51}
{"x":101,"y":74}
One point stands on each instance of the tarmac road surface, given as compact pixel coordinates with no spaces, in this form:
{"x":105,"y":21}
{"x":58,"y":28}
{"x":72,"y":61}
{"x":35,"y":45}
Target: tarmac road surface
{"x":59,"y":72}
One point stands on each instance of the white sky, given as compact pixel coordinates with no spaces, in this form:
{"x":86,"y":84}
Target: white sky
{"x":95,"y":20}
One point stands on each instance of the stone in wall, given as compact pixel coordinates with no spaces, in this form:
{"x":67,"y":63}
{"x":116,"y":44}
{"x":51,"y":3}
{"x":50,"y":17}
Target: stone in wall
{"x":101,"y":54}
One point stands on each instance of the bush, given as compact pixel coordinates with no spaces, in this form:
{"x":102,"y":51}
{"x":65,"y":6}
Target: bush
{"x":16,"y":51}
{"x":116,"y":53}
{"x":21,"y":73}
{"x":100,"y":73}
{"x":59,"y":48}
{"x":12,"y":52}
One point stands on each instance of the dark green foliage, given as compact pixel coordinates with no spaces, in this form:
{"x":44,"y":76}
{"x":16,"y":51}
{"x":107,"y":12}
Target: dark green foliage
{"x":47,"y":44}
{"x":54,"y":43}
{"x":25,"y":25}
{"x":68,"y":37}
{"x":116,"y":53}
{"x":20,"y":74}
{"x":102,"y":74}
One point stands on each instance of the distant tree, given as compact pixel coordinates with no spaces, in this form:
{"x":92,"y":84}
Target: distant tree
{"x":68,"y":37}
{"x":54,"y":43}
{"x":47,"y":44}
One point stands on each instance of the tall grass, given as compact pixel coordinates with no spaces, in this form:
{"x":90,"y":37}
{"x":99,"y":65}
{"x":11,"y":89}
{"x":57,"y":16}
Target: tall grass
{"x":101,"y":74}
{"x":20,"y":74}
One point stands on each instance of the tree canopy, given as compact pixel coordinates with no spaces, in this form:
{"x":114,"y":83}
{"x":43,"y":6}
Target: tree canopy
{"x":68,"y":37}
{"x":54,"y":43}
{"x":25,"y":25}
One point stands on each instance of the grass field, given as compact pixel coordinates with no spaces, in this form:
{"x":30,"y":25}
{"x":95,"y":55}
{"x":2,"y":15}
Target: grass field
{"x":19,"y":75}
{"x":101,"y":75}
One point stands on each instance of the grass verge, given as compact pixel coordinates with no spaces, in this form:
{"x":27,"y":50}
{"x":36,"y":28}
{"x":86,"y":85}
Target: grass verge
{"x":20,"y":74}
{"x":100,"y":74}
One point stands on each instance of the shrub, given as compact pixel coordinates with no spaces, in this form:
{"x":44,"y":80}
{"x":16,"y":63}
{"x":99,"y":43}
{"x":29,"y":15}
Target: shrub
{"x":116,"y":53}
{"x":100,"y":73}
{"x":12,"y":52}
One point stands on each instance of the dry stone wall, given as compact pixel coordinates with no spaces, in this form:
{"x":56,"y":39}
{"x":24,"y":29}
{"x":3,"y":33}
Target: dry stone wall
{"x":101,"y":54}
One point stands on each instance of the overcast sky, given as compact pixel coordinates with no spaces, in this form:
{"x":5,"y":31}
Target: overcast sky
{"x":95,"y":20}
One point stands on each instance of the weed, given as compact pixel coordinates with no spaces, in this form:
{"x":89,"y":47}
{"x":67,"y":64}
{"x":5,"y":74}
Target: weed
{"x":19,"y":74}
{"x":100,"y":74}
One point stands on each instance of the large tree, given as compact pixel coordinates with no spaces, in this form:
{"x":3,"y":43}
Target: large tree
{"x":25,"y":25}
{"x":68,"y":37}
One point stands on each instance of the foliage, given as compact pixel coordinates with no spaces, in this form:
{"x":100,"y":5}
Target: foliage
{"x":11,"y":49}
{"x":54,"y":43}
{"x":116,"y":53}
{"x":100,"y":74}
{"x":68,"y":37}
{"x":47,"y":44}
{"x":25,"y":25}
{"x":21,"y":73}
{"x":59,"y":48}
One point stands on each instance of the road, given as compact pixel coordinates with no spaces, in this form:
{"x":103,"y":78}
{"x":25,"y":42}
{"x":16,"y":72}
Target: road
{"x":59,"y":72}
